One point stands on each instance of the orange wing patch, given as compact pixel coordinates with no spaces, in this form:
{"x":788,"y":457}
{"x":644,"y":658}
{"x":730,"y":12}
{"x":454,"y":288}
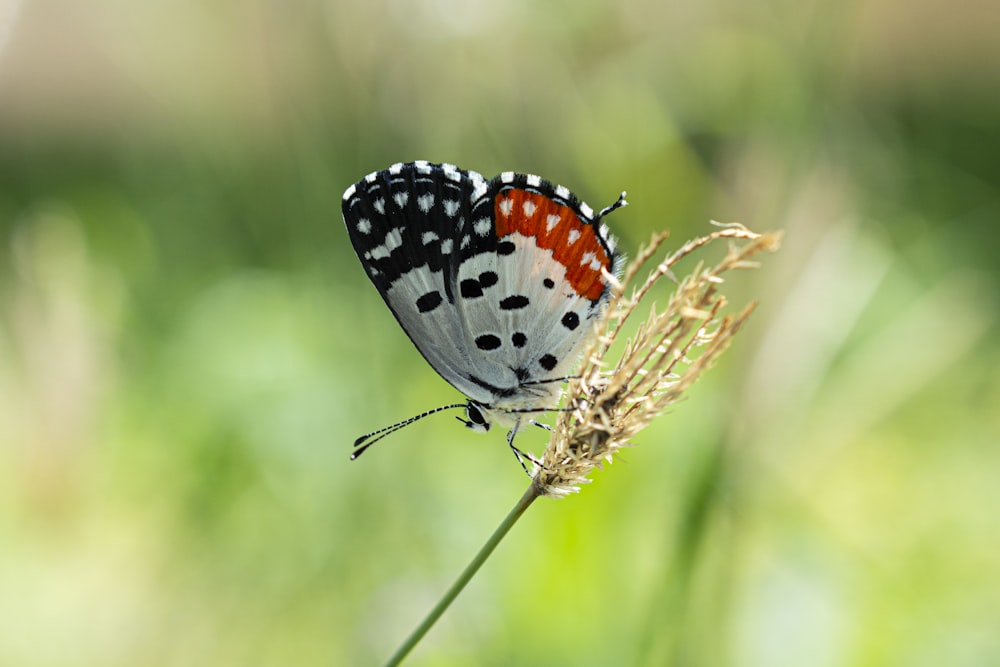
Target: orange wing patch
{"x":555,"y":227}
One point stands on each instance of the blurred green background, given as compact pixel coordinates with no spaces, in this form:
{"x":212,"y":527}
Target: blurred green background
{"x":188,"y":345}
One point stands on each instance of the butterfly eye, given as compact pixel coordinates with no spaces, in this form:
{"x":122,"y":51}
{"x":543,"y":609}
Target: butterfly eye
{"x":477,"y":419}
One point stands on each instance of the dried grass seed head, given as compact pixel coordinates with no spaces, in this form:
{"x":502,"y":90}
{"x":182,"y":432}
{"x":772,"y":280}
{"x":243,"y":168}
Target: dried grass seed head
{"x":613,"y":399}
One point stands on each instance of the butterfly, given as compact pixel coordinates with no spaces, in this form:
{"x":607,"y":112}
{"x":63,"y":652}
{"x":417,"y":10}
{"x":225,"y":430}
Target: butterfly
{"x":496,"y":282}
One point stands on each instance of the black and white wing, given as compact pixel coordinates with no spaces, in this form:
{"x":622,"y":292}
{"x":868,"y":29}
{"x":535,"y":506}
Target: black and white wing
{"x":406,"y":225}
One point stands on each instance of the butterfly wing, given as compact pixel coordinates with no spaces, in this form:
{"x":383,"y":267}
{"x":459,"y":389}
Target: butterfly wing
{"x":528,"y":303}
{"x":495,"y":283}
{"x":406,"y":224}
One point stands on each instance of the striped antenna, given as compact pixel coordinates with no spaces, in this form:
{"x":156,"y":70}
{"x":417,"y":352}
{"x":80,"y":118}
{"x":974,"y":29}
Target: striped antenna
{"x":618,"y":204}
{"x":360,"y":445}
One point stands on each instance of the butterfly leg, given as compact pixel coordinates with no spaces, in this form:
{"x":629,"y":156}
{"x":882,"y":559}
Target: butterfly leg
{"x":540,"y":425}
{"x":521,"y":455}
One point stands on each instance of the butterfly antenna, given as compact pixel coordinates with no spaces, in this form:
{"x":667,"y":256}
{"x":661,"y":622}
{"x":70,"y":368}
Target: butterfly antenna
{"x":369,"y":439}
{"x":617,"y":205}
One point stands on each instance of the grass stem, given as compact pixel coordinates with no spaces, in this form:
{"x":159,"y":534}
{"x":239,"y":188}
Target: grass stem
{"x":464,"y":578}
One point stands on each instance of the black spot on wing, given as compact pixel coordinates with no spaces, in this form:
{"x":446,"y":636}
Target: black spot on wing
{"x":571,"y":320}
{"x":487,"y":342}
{"x":429,"y":301}
{"x":518,"y":339}
{"x":470,"y":288}
{"x":488,"y":279}
{"x":548,"y":362}
{"x":513,"y":302}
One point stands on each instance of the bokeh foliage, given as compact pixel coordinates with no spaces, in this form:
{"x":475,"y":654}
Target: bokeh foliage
{"x":188,"y":345}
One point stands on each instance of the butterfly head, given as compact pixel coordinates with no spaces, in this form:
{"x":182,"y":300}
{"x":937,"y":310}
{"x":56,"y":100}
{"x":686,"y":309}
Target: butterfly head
{"x":478,"y":417}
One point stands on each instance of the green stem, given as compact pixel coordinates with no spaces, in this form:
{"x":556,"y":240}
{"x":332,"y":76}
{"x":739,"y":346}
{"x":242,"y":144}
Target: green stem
{"x":467,"y":574}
